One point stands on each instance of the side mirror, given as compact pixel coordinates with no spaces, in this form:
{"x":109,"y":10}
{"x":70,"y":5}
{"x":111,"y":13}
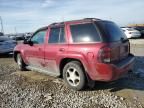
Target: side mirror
{"x":25,"y":41}
{"x":28,"y":42}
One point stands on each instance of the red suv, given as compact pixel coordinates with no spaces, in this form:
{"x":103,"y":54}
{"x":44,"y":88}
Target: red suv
{"x":79,"y":51}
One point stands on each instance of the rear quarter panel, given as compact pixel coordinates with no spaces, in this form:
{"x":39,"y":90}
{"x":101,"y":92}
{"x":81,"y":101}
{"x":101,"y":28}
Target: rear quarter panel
{"x":87,"y":54}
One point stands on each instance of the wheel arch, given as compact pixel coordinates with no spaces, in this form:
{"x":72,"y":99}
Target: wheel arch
{"x":15,"y":55}
{"x":64,"y":61}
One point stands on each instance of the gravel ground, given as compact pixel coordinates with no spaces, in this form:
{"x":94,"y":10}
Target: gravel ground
{"x":35,"y":90}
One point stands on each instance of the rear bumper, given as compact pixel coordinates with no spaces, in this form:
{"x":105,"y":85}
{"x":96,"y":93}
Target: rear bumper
{"x":123,"y":67}
{"x":110,"y":72}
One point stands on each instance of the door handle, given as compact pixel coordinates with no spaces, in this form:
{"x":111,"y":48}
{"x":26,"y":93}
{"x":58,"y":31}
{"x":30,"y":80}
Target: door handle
{"x":61,"y":49}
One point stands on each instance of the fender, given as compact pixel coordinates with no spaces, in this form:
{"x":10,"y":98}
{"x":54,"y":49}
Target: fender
{"x":77,"y":56}
{"x":19,"y":49}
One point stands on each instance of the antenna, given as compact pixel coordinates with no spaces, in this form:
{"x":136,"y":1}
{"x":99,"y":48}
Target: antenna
{"x":2,"y":29}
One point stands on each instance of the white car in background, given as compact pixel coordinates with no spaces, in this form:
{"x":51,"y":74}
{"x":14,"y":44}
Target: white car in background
{"x":131,"y":32}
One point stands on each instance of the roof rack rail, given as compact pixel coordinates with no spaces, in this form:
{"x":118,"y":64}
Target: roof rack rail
{"x":57,"y":23}
{"x":92,"y":19}
{"x":53,"y":23}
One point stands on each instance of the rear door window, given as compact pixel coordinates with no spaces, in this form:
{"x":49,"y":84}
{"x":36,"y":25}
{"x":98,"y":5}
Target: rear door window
{"x":84,"y":33}
{"x":62,"y":35}
{"x":54,"y":35}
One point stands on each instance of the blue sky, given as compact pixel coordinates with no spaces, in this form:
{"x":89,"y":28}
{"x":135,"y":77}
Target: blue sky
{"x":29,"y":15}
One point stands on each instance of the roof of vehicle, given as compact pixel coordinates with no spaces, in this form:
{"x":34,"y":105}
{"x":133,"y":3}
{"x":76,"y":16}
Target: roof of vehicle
{"x":80,"y":20}
{"x":42,"y":28}
{"x":71,"y":21}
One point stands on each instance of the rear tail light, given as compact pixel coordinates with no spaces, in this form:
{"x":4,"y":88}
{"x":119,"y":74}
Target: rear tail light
{"x":104,"y":55}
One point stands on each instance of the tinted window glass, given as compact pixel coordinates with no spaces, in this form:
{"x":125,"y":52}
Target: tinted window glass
{"x":54,"y":35}
{"x":110,"y":31}
{"x":38,"y":38}
{"x":84,"y":33}
{"x":62,"y":35}
{"x":115,"y":32}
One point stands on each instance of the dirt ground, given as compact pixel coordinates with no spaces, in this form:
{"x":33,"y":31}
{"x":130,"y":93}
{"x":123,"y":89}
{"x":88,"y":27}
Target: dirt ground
{"x":35,"y":90}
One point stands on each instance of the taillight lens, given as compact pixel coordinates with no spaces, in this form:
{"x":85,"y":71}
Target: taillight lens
{"x":104,"y":55}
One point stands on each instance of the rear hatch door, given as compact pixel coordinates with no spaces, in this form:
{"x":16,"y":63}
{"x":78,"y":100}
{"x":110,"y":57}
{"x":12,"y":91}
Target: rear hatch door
{"x":116,"y":39}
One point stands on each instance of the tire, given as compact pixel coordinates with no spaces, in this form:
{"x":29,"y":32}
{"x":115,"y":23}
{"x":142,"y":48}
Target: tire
{"x":74,"y":76}
{"x":20,"y":62}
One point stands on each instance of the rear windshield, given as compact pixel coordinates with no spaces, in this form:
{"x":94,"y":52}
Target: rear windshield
{"x":110,"y":31}
{"x":84,"y":33}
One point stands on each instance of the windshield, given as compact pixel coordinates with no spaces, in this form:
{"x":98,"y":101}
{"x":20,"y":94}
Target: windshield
{"x":110,"y":31}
